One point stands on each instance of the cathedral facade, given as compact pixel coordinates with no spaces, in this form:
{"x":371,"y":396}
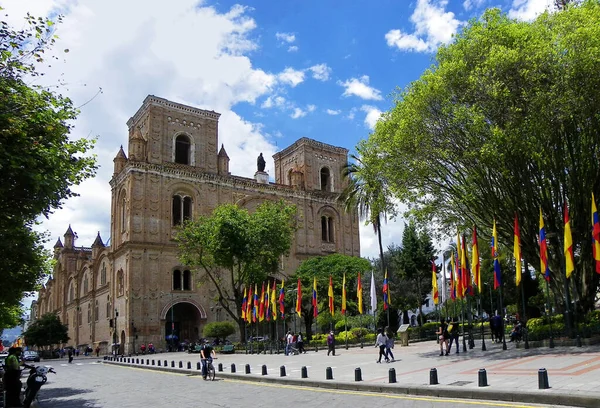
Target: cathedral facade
{"x":135,"y":290}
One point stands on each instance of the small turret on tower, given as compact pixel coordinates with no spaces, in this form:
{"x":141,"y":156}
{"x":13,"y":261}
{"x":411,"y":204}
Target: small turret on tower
{"x":57,"y":247}
{"x":97,"y":246}
{"x":137,"y":146}
{"x":69,"y":238}
{"x":223,"y":162}
{"x":120,"y":160}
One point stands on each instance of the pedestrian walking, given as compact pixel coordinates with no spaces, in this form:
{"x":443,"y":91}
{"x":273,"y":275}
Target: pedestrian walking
{"x":331,"y":343}
{"x":288,"y":342}
{"x":453,"y":331}
{"x":97,"y":351}
{"x":389,"y":345}
{"x":300,"y":344}
{"x":443,"y":336}
{"x":381,"y":342}
{"x":70,"y":353}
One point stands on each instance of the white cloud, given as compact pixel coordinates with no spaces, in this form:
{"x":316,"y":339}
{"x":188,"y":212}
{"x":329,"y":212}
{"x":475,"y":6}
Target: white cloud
{"x":320,"y":72}
{"x":469,"y":4}
{"x":286,"y":37}
{"x":292,"y":48}
{"x":360,"y":87}
{"x":528,"y":9}
{"x":433,"y":26}
{"x":351,"y":114}
{"x":273,"y":101}
{"x":291,"y":77}
{"x":297,"y":113}
{"x":142,"y":53}
{"x":333,"y":112}
{"x":372,"y":115}
{"x":311,"y":108}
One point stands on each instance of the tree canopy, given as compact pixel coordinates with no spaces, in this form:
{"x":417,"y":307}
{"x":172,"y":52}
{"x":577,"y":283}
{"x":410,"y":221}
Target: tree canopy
{"x":46,"y":331}
{"x":506,"y":121}
{"x":232,"y":248}
{"x":39,"y":161}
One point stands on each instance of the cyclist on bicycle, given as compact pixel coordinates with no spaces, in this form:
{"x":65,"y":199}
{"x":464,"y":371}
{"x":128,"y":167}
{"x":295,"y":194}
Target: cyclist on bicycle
{"x":207,"y":353}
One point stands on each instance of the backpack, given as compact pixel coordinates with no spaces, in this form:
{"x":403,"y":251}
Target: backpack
{"x":450,"y":327}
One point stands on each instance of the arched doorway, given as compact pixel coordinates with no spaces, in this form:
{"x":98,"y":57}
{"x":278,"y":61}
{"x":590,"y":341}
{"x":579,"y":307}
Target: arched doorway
{"x":182,"y":324}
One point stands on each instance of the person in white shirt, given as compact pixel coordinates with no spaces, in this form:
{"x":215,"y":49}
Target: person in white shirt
{"x":381,"y":342}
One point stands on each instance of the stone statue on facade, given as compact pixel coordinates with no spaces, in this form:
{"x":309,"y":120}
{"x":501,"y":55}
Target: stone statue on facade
{"x":260,"y":163}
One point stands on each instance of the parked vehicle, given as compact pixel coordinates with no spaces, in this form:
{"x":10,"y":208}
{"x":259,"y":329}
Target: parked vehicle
{"x":37,"y":377}
{"x":31,"y":355}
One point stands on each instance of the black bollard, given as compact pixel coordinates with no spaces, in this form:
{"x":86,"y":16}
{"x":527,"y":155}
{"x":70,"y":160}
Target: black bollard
{"x":198,"y":366}
{"x":392,"y":375}
{"x":543,"y":379}
{"x":304,"y":372}
{"x":264,"y":369}
{"x":172,"y":363}
{"x":181,"y":364}
{"x":328,"y":373}
{"x":483,"y":378}
{"x":433,"y":380}
{"x":189,"y":365}
{"x":153,"y":362}
{"x":282,"y":371}
{"x":232,"y":368}
{"x":140,"y":361}
{"x":316,"y":348}
{"x":220,"y":367}
{"x":166,"y":363}
{"x":247,"y":368}
{"x":578,"y":340}
{"x":147,"y":361}
{"x":159,"y":363}
{"x":137,"y":361}
{"x":357,"y":374}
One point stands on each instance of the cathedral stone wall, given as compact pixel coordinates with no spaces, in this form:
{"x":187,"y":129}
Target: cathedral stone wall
{"x":172,"y":171}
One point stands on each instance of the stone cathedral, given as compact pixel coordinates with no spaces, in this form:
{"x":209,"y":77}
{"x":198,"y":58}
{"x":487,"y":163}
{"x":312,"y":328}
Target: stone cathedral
{"x":134,"y":290}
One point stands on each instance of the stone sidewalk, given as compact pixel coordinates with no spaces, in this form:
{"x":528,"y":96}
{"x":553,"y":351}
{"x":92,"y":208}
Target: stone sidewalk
{"x":512,"y":375}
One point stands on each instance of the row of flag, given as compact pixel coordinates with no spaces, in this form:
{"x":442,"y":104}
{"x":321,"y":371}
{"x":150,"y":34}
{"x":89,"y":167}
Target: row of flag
{"x":265,"y":307}
{"x":464,"y":277}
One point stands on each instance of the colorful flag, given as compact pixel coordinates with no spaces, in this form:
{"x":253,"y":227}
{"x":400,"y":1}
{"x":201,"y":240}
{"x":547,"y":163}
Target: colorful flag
{"x":436,"y":294}
{"x":373,"y":295}
{"x":544,"y":268}
{"x":467,"y":286}
{"x":386,"y":291}
{"x":273,"y":302}
{"x":459,"y":288}
{"x":281,"y":300}
{"x":475,"y":267}
{"x":595,"y":234}
{"x":314,"y":298}
{"x":330,"y":295}
{"x":452,"y":274}
{"x":267,"y":302}
{"x":517,"y":251}
{"x":249,"y":306}
{"x":497,"y":273}
{"x":244,"y":304}
{"x":344,"y":295}
{"x":359,"y":295}
{"x":568,"y":247}
{"x":298,"y":299}
{"x":261,"y":310}
{"x":255,"y":307}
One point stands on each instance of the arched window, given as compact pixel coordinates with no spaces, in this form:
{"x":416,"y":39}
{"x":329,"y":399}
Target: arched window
{"x":123,"y":211}
{"x":325,"y":179}
{"x":327,"y":230}
{"x":176,"y":279}
{"x":71,"y":291}
{"x":120,"y":283}
{"x":108,"y":306}
{"x":96,"y":311}
{"x":79,"y":318}
{"x":85,"y":285}
{"x":103,"y":274}
{"x":182,"y":149}
{"x":186,"y":280}
{"x":182,"y":209}
{"x":89,"y":313}
{"x":67,"y":320}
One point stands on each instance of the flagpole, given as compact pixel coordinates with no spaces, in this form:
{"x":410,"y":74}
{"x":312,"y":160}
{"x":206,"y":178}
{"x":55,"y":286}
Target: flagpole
{"x":470,"y":317}
{"x":483,"y":348}
{"x":346,"y":329}
{"x":524,"y":307}
{"x":551,"y":345}
{"x":462,"y":307}
{"x":502,"y":318}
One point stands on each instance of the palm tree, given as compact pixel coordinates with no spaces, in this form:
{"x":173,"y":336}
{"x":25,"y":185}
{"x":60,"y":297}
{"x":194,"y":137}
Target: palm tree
{"x":367,"y":192}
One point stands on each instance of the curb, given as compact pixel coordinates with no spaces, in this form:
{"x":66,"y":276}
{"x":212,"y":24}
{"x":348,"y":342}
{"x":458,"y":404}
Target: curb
{"x":534,"y":397}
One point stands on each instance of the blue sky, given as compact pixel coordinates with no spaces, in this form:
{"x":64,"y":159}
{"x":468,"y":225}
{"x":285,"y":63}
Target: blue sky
{"x":275,"y":70}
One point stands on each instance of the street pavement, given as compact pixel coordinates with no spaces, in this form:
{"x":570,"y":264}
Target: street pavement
{"x":512,"y":375}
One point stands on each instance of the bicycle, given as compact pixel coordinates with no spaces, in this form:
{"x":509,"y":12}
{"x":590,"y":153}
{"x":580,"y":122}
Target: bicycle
{"x":210,"y":368}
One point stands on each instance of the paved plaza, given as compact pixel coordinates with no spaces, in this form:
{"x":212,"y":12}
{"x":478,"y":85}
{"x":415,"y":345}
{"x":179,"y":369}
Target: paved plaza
{"x":512,"y":375}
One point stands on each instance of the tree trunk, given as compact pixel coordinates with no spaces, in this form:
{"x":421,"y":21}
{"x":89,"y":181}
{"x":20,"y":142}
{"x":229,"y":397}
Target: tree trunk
{"x":380,"y":244}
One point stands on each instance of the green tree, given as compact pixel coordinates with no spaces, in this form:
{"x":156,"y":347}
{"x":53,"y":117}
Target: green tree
{"x":232,"y":248}
{"x":367,"y":190}
{"x":11,"y":316}
{"x":46,"y":331}
{"x":505,"y":121}
{"x":219,"y":330}
{"x":38,"y":160}
{"x":321,"y":268}
{"x":414,"y":264}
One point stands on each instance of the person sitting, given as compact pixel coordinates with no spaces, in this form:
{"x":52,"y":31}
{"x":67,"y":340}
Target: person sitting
{"x":516,"y":333}
{"x":11,"y":379}
{"x":207,"y":353}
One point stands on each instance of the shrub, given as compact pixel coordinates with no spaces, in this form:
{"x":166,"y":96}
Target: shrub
{"x":359,"y":332}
